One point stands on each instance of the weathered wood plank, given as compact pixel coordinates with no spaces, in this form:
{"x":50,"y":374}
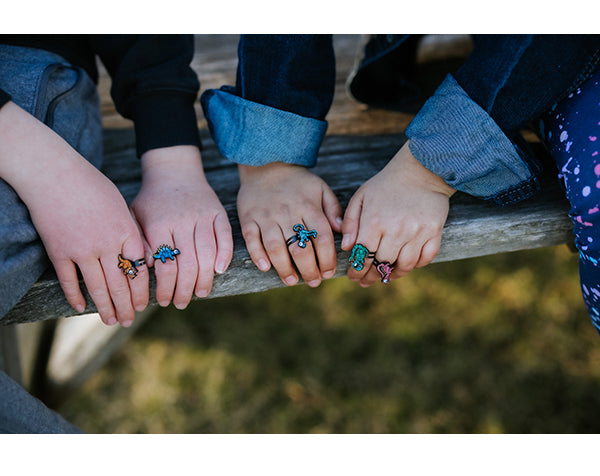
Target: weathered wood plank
{"x":474,"y":228}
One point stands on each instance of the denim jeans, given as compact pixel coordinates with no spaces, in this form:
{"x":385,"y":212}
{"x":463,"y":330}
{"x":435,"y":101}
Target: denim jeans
{"x":65,"y":99}
{"x":276,"y":110}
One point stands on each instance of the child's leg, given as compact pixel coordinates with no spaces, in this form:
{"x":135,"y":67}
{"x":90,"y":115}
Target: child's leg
{"x":572,"y":132}
{"x":21,"y":413}
{"x":64,"y":98}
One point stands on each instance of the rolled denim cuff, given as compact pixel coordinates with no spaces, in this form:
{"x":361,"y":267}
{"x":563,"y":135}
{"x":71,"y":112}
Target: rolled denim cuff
{"x":456,"y":139}
{"x":250,"y":133}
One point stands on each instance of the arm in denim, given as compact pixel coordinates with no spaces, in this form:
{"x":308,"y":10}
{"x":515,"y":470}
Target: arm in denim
{"x":469,"y":131}
{"x":276,"y":111}
{"x":457,"y":140}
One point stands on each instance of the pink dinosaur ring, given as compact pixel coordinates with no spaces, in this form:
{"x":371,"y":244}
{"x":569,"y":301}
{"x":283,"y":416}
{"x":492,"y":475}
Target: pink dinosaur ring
{"x":385,"y":270}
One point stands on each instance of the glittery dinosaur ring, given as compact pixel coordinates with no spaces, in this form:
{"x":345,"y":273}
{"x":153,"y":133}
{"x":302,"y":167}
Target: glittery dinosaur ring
{"x":385,"y":270}
{"x":358,"y":255}
{"x":165,"y":252}
{"x":130,"y":268}
{"x":302,"y":235}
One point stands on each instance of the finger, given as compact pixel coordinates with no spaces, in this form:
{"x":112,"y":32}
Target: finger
{"x":304,"y":257}
{"x":385,"y":260}
{"x":224,"y":243}
{"x":134,"y":250}
{"x":147,"y":253}
{"x":206,"y":250}
{"x":254,"y":245}
{"x":408,"y":257}
{"x":324,"y":246}
{"x":274,"y":243}
{"x":165,"y":269}
{"x":69,"y":282}
{"x":95,"y":282}
{"x":429,"y":251}
{"x":332,"y":210}
{"x":187,"y":268}
{"x":118,"y":288}
{"x":351,"y":223}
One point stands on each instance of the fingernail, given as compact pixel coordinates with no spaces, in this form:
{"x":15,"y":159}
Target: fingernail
{"x":181,"y":306}
{"x":339,"y":221}
{"x":220,"y":268}
{"x":345,"y":240}
{"x":201,"y":293}
{"x":80,"y":307}
{"x":112,"y":321}
{"x":328,"y":274}
{"x":291,"y":280}
{"x":314,"y":283}
{"x":126,"y":323}
{"x":140,"y":307}
{"x":263,"y":264}
{"x":163,"y":303}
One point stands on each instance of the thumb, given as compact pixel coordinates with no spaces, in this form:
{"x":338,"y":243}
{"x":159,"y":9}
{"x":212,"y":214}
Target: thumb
{"x":351,"y":221}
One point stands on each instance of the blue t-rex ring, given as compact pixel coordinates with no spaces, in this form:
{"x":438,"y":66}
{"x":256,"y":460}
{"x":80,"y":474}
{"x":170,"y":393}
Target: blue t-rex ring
{"x":302,"y":236}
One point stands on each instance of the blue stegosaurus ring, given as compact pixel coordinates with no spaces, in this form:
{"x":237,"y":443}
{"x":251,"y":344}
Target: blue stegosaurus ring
{"x":165,"y":251}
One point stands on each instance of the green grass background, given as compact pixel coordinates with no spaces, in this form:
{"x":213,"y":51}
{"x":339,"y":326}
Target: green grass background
{"x":500,"y":344}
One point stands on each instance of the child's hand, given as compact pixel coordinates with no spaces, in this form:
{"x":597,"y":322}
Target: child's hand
{"x":399,"y":214}
{"x":79,"y":214}
{"x":177,"y":207}
{"x":272,"y":199}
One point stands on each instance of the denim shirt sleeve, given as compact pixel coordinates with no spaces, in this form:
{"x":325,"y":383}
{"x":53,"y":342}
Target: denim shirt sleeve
{"x":456,"y":139}
{"x":250,"y":133}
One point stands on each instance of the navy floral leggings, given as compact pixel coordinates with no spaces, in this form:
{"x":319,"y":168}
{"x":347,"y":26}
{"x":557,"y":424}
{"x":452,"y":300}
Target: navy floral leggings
{"x":572,"y":132}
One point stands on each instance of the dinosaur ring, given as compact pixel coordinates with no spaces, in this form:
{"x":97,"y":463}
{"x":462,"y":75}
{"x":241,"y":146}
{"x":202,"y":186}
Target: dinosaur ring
{"x":302,"y":235}
{"x":164,"y":251}
{"x":130,"y":268}
{"x":358,"y":255}
{"x":385,"y":270}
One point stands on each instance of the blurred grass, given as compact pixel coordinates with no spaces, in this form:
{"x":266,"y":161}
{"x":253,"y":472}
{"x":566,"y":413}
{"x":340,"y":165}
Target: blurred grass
{"x":500,"y":344}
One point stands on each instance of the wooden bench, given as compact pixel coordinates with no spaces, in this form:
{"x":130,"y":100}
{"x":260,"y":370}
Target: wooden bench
{"x":350,"y":154}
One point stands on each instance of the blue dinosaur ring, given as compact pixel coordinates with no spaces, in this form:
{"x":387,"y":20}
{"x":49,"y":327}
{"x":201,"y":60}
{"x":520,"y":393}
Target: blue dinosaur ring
{"x":302,"y":235}
{"x":165,"y":252}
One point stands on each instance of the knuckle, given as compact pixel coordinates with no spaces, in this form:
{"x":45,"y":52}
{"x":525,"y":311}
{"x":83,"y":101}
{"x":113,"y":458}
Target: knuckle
{"x":274,"y":245}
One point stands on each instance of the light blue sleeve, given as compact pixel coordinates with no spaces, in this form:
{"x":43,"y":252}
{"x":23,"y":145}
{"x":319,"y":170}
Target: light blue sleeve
{"x":457,"y":140}
{"x":250,"y":133}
